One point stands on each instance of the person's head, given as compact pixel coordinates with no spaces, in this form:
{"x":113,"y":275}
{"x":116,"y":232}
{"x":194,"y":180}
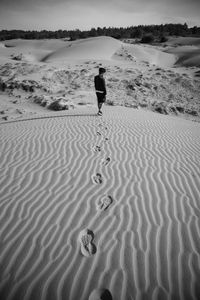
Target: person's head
{"x":102,"y":71}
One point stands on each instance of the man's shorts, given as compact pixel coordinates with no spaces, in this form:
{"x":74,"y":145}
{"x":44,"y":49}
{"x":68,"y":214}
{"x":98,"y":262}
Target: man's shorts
{"x":101,"y":98}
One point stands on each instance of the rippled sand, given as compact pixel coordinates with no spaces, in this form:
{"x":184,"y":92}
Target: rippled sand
{"x":60,"y":239}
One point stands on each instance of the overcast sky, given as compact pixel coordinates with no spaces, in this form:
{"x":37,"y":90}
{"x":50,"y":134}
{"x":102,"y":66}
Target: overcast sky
{"x":85,"y":14}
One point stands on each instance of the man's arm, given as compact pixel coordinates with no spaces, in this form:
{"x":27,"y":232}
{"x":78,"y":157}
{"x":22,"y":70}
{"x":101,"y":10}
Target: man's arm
{"x":104,"y":86}
{"x":95,"y":82}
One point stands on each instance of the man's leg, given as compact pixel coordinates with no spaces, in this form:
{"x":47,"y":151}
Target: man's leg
{"x":100,"y":105}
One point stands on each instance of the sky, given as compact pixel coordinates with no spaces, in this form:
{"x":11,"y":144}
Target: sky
{"x":85,"y":14}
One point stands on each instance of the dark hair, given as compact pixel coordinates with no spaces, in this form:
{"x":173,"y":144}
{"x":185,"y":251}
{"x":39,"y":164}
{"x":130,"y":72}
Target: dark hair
{"x":102,"y":70}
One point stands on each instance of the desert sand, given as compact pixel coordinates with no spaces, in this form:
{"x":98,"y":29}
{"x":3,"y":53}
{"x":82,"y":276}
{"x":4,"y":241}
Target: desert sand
{"x":99,"y":207}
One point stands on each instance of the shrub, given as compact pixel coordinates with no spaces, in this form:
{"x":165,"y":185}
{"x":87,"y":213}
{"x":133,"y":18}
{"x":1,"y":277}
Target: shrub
{"x":110,"y":102}
{"x":59,"y":105}
{"x":172,"y":109}
{"x":163,"y":39}
{"x":147,"y":38}
{"x":130,"y":87}
{"x":180,"y":109}
{"x":2,"y":85}
{"x":160,"y":107}
{"x":192,"y":112}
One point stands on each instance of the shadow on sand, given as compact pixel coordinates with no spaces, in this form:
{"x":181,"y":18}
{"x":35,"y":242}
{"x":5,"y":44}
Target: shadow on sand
{"x":49,"y":117}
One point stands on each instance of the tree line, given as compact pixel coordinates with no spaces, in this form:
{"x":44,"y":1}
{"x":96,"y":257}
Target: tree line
{"x":139,"y":32}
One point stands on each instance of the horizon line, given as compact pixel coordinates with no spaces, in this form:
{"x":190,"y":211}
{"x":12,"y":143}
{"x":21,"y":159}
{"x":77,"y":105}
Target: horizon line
{"x":117,"y":27}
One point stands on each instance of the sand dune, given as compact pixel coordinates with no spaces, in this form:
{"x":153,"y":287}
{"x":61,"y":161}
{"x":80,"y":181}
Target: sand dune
{"x":188,"y":56}
{"x":92,"y":48}
{"x":48,"y":44}
{"x":186,"y":49}
{"x":93,"y":206}
{"x":32,"y":50}
{"x":150,"y":55}
{"x":58,"y":74}
{"x":59,"y":50}
{"x":147,"y":240}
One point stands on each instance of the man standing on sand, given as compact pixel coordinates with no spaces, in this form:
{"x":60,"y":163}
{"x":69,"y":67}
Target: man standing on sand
{"x":100,"y":87}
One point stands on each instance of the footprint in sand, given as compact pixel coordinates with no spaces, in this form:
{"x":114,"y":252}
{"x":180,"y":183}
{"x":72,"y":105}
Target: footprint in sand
{"x":102,"y":126}
{"x":100,"y":294}
{"x":104,"y":202}
{"x":98,"y":133}
{"x":97,"y":149}
{"x":86,"y":237}
{"x":105,"y":161}
{"x":97,"y":178}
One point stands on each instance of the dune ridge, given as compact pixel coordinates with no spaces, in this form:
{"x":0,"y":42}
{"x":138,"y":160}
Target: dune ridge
{"x":147,"y":240}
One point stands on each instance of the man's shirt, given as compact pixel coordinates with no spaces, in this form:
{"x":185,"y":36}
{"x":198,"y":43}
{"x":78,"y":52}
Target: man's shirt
{"x":99,"y":84}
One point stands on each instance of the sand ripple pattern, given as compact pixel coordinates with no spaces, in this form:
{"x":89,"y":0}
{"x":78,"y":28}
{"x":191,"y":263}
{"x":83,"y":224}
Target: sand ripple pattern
{"x":148,"y":240}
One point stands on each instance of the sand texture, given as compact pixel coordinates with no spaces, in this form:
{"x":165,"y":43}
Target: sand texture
{"x":92,"y":205}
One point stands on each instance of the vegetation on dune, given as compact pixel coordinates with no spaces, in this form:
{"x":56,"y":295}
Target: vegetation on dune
{"x":147,"y":38}
{"x":158,"y":32}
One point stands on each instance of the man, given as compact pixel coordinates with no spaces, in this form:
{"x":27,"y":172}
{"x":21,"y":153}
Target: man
{"x":100,"y":87}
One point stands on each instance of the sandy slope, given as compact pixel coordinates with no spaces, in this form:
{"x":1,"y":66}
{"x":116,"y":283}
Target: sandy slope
{"x":92,"y":48}
{"x":146,"y":244}
{"x":59,"y":50}
{"x":89,"y":203}
{"x":186,"y":49}
{"x":32,"y":50}
{"x":150,"y":55}
{"x":187,"y":55}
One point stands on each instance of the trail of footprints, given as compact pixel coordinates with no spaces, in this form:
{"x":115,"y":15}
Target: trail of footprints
{"x":86,"y":236}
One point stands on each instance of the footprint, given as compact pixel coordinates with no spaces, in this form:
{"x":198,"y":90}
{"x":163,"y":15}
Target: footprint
{"x":86,"y":237}
{"x":104,"y":202}
{"x":100,"y":294}
{"x":98,"y":133}
{"x":105,"y":161}
{"x":97,"y":149}
{"x":97,"y":178}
